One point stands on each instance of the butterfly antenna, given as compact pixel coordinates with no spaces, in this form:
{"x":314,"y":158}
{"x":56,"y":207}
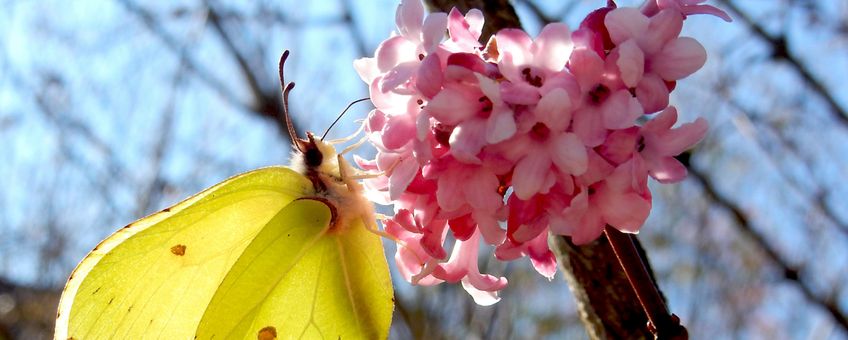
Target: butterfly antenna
{"x":286,"y":89}
{"x":342,"y":114}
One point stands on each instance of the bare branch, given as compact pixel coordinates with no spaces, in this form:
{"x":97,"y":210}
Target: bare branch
{"x":790,"y":272}
{"x":780,"y":50}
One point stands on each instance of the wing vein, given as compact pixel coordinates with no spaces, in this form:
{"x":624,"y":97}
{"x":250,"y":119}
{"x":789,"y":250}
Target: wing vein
{"x":299,"y":256}
{"x":343,"y":262}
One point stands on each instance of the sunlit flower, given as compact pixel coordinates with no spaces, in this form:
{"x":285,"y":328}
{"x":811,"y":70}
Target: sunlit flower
{"x":503,"y":144}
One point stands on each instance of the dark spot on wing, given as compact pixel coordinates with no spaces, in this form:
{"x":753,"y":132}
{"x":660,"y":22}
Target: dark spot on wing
{"x":178,"y":250}
{"x":267,"y":333}
{"x":96,"y":290}
{"x":166,"y":209}
{"x":110,"y":301}
{"x":129,"y":309}
{"x":151,"y":322}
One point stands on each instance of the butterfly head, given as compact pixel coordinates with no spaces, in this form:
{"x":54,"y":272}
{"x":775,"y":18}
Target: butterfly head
{"x":313,"y":156}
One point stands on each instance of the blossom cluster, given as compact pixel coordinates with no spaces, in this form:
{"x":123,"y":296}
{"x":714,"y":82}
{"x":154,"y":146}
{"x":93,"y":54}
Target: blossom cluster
{"x":503,"y":143}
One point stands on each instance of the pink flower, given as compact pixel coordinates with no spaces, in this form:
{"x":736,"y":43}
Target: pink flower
{"x":662,"y":142}
{"x":471,"y":189}
{"x":474,"y":106}
{"x":685,"y":7}
{"x":413,"y":263}
{"x":648,"y":53}
{"x":462,"y":266}
{"x":539,"y":136}
{"x":656,"y":143}
{"x":528,"y":64}
{"x":464,"y":30}
{"x":621,"y":200}
{"x":555,"y":154}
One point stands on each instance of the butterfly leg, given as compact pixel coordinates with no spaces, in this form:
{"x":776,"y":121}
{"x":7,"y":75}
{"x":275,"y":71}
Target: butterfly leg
{"x":366,"y":175}
{"x":348,"y":138}
{"x":427,"y":267}
{"x":353,"y":146}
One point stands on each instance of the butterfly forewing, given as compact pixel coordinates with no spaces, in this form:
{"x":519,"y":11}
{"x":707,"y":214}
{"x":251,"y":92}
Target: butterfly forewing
{"x":155,"y":277}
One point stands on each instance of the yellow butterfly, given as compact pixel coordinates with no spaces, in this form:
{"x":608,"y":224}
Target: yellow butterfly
{"x":274,"y":252}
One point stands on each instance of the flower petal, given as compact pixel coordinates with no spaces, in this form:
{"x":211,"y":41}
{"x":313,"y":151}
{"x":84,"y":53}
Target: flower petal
{"x":519,"y":93}
{"x":677,"y":140}
{"x":366,"y":68}
{"x":516,"y":43}
{"x":434,"y":238}
{"x":621,"y":110}
{"x":449,"y":191}
{"x":554,"y":109}
{"x":587,"y":67}
{"x":541,"y":257}
{"x":408,"y":18}
{"x":467,"y":139}
{"x":530,"y":174}
{"x":454,"y":104}
{"x":398,"y":75}
{"x":569,"y":154}
{"x":401,"y":176}
{"x":631,"y":63}
{"x":433,"y":31}
{"x":398,"y":131}
{"x":652,"y":93}
{"x":589,"y":125}
{"x":394,"y":51}
{"x":500,"y":126}
{"x":679,"y":58}
{"x":429,"y":78}
{"x":552,"y":47}
{"x":625,"y":23}
{"x":664,"y":26}
{"x":481,"y":297}
{"x":667,"y":170}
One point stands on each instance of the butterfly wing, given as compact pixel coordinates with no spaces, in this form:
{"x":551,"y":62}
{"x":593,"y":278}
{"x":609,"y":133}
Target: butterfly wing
{"x":155,"y":277}
{"x":303,"y":281}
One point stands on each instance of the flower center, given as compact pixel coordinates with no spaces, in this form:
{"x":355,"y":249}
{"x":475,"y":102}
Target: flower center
{"x":531,"y":77}
{"x":640,"y":144}
{"x":442,"y":133}
{"x":540,"y":132}
{"x":599,"y":94}
{"x":486,"y":107}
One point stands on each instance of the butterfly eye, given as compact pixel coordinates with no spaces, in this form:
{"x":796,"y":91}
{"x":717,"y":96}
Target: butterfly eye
{"x":313,"y":157}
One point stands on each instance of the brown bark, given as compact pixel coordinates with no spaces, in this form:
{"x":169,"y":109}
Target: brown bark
{"x":607,"y":303}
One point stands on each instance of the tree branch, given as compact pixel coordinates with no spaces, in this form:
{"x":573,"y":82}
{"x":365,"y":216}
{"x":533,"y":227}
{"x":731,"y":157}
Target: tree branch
{"x":790,"y":272}
{"x":780,"y":51}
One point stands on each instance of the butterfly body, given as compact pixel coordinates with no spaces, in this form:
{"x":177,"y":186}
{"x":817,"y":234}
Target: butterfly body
{"x":333,"y":183}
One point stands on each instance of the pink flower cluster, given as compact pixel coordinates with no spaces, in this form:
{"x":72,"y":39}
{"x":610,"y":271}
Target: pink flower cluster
{"x":504,"y":143}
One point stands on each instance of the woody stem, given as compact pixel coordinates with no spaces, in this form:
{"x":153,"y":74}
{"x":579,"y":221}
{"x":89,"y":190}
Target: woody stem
{"x":664,"y":325}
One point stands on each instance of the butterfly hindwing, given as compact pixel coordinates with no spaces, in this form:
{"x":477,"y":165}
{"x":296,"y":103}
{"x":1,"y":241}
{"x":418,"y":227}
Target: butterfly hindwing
{"x":301,"y":279}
